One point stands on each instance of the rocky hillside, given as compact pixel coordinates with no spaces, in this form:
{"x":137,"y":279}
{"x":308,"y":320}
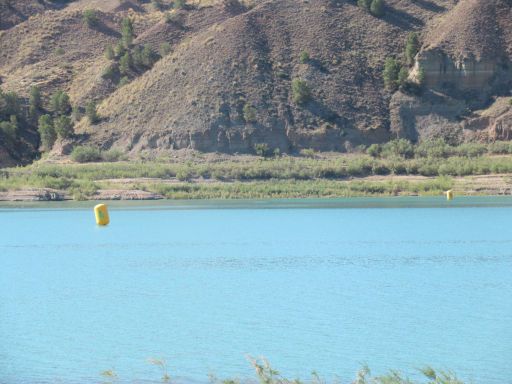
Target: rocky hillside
{"x":226,"y":75}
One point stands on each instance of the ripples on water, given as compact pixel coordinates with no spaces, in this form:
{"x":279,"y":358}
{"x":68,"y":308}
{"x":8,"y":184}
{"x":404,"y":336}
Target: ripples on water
{"x":311,"y":289}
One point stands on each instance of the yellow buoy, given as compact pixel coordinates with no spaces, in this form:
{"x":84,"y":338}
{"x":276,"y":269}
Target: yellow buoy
{"x":101,"y":213}
{"x":449,"y":195}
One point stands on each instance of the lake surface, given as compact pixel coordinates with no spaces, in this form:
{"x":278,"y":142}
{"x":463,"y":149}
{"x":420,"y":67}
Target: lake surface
{"x":311,"y":285}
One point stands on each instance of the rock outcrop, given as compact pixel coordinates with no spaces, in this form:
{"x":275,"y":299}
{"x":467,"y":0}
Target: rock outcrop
{"x":466,"y":61}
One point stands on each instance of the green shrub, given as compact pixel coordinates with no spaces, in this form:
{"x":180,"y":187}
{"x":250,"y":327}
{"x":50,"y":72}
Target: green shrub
{"x":60,"y":103}
{"x":365,"y":4}
{"x":374,"y":150}
{"x":377,"y":8}
{"x":165,"y":49}
{"x":304,"y":57}
{"x":112,"y":155}
{"x":110,"y":72}
{"x":109,"y":52}
{"x":91,"y":113}
{"x":173,"y":18}
{"x":85,"y":154}
{"x":500,"y":147}
{"x":249,"y":113}
{"x":471,"y":149}
{"x":380,"y":169}
{"x":46,"y":131}
{"x":10,"y":104}
{"x":124,"y":80}
{"x":10,"y":128}
{"x":398,"y":148}
{"x":262,"y":149}
{"x":149,"y":56}
{"x":138,"y":61}
{"x":157,"y":5}
{"x":90,"y":18}
{"x":63,"y":127}
{"x":359,"y":167}
{"x":436,"y":148}
{"x":183,"y":175}
{"x":428,"y":168}
{"x":76,"y":113}
{"x":179,"y":4}
{"x":308,"y":152}
{"x":301,"y":93}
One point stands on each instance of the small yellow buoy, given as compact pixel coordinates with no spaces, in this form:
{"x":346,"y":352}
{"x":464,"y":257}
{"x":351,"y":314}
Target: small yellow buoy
{"x":101,"y":213}
{"x":449,"y":195}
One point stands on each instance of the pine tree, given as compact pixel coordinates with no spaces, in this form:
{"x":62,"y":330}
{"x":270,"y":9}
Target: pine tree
{"x":412,"y":47}
{"x":10,"y":128}
{"x":390,"y":74}
{"x":149,"y":56}
{"x":119,"y":49}
{"x":46,"y":131}
{"x":91,"y":113}
{"x":403,"y":74}
{"x":109,"y":52}
{"x":60,"y":103}
{"x":90,"y":18}
{"x":127,"y":32}
{"x":420,"y":77}
{"x":125,"y":63}
{"x":63,"y":127}
{"x":34,"y":101}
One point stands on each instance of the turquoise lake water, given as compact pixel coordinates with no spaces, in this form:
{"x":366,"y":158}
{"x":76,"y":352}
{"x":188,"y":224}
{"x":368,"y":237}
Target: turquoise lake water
{"x":311,"y":285}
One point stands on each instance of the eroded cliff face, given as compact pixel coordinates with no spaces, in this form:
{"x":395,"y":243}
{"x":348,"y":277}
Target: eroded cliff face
{"x":454,"y":91}
{"x":466,"y":73}
{"x":428,"y":116}
{"x":466,"y":60}
{"x":493,"y":123}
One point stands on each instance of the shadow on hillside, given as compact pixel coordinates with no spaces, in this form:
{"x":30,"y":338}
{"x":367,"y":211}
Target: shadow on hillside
{"x":106,"y":30}
{"x":16,"y":12}
{"x":321,"y":110}
{"x":402,"y":19}
{"x":319,"y":65}
{"x":429,"y":6}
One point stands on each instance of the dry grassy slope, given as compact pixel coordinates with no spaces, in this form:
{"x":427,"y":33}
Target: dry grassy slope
{"x":194,"y":97}
{"x":467,"y":58}
{"x":52,"y":48}
{"x":18,"y":11}
{"x":478,"y":28}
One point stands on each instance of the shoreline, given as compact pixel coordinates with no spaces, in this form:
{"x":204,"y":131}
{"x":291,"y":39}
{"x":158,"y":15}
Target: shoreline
{"x":146,"y":189}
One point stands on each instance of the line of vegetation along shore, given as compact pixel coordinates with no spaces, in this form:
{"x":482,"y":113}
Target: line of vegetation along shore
{"x":266,"y":374}
{"x":395,"y":168}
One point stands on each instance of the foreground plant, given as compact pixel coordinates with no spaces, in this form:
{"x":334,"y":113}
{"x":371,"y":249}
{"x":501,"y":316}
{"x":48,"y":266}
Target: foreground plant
{"x":110,"y":376}
{"x":266,"y":374}
{"x":161,"y":363}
